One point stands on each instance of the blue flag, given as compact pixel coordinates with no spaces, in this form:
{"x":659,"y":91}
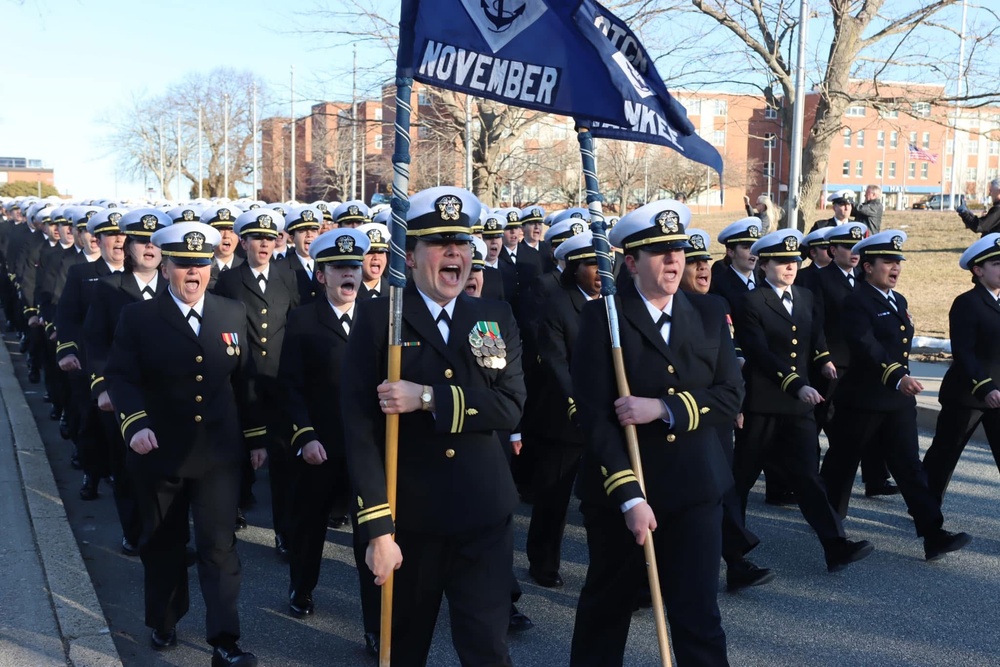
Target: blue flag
{"x":565,"y":57}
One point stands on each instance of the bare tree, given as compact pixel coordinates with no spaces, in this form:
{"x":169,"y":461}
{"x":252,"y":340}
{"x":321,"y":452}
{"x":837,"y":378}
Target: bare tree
{"x":854,"y":41}
{"x":148,"y":126}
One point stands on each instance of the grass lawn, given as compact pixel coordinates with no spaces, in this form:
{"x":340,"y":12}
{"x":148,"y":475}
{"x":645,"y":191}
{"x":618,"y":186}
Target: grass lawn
{"x":931,"y":278}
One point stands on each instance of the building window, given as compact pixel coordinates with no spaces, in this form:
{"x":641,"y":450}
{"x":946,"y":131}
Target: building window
{"x":719,"y":138}
{"x":893,"y":139}
{"x":693,"y":106}
{"x":947,"y":173}
{"x":994,"y":147}
{"x":992,"y":173}
{"x":770,"y":113}
{"x":972,"y":174}
{"x":859,"y":169}
{"x":878,"y":169}
{"x":378,"y":141}
{"x":860,"y":134}
{"x":923,"y":170}
{"x":847,"y":137}
{"x":423,"y":99}
{"x":921,"y":109}
{"x":423,"y":132}
{"x":913,"y":170}
{"x":913,"y":138}
{"x":974,"y":147}
{"x":769,"y":169}
{"x":947,"y":148}
{"x":721,"y":108}
{"x":857,"y":111}
{"x":378,"y":113}
{"x":847,"y":168}
{"x":770,"y":140}
{"x":892,"y":169}
{"x":925,"y":140}
{"x":880,"y":140}
{"x":890,"y":113}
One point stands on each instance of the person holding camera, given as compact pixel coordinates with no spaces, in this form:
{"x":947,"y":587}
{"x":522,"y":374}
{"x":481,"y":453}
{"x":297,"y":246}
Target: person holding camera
{"x":990,"y":222}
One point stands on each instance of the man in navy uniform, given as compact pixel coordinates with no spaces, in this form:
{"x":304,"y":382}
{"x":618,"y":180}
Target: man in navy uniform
{"x":269,"y":294}
{"x":303,"y":225}
{"x":970,"y":393}
{"x":179,"y":377}
{"x":684,"y":379}
{"x":496,"y":271}
{"x":352,"y":213}
{"x":222,"y":218}
{"x":461,"y":382}
{"x":735,"y":277}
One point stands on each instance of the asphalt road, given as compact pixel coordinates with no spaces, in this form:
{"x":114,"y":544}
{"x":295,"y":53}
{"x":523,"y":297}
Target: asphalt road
{"x":892,"y":609}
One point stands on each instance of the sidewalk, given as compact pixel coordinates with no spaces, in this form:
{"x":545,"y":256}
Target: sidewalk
{"x":49,"y":612}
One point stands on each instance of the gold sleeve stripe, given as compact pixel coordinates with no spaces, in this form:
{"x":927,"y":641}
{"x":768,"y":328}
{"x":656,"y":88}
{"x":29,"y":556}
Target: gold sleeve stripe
{"x":618,"y":475}
{"x":377,"y":508}
{"x":694,"y":417}
{"x":63,"y":346}
{"x":96,"y":382}
{"x":980,"y":384}
{"x":128,"y":421}
{"x":461,"y":410}
{"x":374,"y":515}
{"x":305,"y":429}
{"x":821,"y":355}
{"x":571,"y":411}
{"x":889,"y":370}
{"x":788,"y":380}
{"x":458,"y":409}
{"x":255,"y":432}
{"x":622,"y":481}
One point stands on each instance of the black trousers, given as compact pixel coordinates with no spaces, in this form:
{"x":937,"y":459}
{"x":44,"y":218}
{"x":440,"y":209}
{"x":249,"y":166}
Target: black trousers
{"x":314,"y":492}
{"x":793,"y":440}
{"x":124,"y":490}
{"x":164,"y":504}
{"x":555,"y":469}
{"x":688,"y":547}
{"x":955,"y":426}
{"x":737,"y":540}
{"x":852,"y":432}
{"x":474,"y":570}
{"x":281,"y":476}
{"x":874,"y":470}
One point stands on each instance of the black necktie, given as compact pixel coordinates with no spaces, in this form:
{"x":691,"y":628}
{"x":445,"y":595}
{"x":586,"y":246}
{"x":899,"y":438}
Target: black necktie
{"x":443,"y":317}
{"x":262,"y":281}
{"x":345,"y":319}
{"x":892,"y":302}
{"x":147,"y":293}
{"x":224,"y":268}
{"x":850,"y":279}
{"x":194,"y":313}
{"x":664,"y":319}
{"x":786,"y":297}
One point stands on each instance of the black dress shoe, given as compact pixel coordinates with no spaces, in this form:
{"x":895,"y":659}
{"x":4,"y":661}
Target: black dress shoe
{"x":281,"y":547}
{"x":518,"y":622}
{"x":241,"y":520}
{"x":886,"y":488}
{"x":371,"y":644}
{"x":781,"y":498}
{"x":300,"y":605}
{"x":942,"y":542}
{"x":232,"y":656}
{"x":546,"y":579}
{"x":841,"y":553}
{"x":89,"y":489}
{"x":165,"y":639}
{"x":128,"y":548}
{"x":745,"y":574}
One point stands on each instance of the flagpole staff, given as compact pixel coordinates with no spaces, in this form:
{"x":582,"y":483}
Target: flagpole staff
{"x":603,"y":250}
{"x":397,"y":281}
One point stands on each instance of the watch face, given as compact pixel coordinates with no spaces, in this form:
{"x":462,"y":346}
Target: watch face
{"x":425,"y":397}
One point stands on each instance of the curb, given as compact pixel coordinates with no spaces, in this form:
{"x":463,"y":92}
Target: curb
{"x":82,"y":624}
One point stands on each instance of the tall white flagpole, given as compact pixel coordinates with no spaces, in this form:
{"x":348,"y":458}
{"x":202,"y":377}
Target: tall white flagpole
{"x":255,"y":155}
{"x":200,"y":161}
{"x":798,"y":120}
{"x":354,"y":128}
{"x":291,"y":104}
{"x":163,"y":175}
{"x":958,"y":91}
{"x":225,"y":146}
{"x":178,"y":155}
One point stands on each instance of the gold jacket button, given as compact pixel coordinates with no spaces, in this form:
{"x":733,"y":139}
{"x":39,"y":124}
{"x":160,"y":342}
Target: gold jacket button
{"x":198,"y":378}
{"x":448,"y":373}
{"x":264,"y":325}
{"x":902,"y":328}
{"x":198,"y":359}
{"x":263,"y":353}
{"x":906,"y":340}
{"x":197,"y":399}
{"x":793,"y":355}
{"x":671,"y":370}
{"x":795,"y":341}
{"x":671,"y":392}
{"x":906,"y":355}
{"x":450,"y":453}
{"x":263,"y":311}
{"x":793,"y":368}
{"x":263,"y":339}
{"x":197,"y":418}
{"x":794,"y":328}
{"x":671,"y":437}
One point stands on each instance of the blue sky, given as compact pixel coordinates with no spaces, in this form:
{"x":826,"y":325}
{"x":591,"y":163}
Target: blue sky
{"x":86,"y":54}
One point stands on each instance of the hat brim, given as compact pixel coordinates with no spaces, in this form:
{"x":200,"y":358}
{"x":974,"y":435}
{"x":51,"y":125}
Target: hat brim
{"x":697,"y":256}
{"x":664,"y":246}
{"x":882,"y":254}
{"x":339,"y":263}
{"x":445,"y":237}
{"x":188,"y":261}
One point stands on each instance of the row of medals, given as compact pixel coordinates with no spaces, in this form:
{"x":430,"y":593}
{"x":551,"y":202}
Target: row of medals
{"x":490,"y":351}
{"x":233,"y":349}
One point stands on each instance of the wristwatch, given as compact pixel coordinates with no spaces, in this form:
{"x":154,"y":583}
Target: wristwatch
{"x":425,"y":398}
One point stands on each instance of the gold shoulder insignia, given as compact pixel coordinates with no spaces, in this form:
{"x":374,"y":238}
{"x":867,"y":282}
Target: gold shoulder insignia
{"x":361,"y":503}
{"x":705,"y":411}
{"x":472,"y":412}
{"x":604,"y":471}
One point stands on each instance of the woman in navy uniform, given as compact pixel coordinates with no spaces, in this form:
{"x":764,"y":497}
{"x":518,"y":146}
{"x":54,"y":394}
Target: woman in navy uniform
{"x":462,"y":382}
{"x":178,"y":376}
{"x":970,"y":393}
{"x":311,"y":359}
{"x":784,"y":348}
{"x":874,"y":402}
{"x":302,"y":224}
{"x":140,"y":281}
{"x":685,"y":381}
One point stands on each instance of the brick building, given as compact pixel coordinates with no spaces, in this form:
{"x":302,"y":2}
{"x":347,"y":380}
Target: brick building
{"x":25,"y":170}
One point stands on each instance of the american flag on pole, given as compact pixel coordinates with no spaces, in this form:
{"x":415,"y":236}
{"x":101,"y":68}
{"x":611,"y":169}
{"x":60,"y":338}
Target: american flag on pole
{"x":915,"y":153}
